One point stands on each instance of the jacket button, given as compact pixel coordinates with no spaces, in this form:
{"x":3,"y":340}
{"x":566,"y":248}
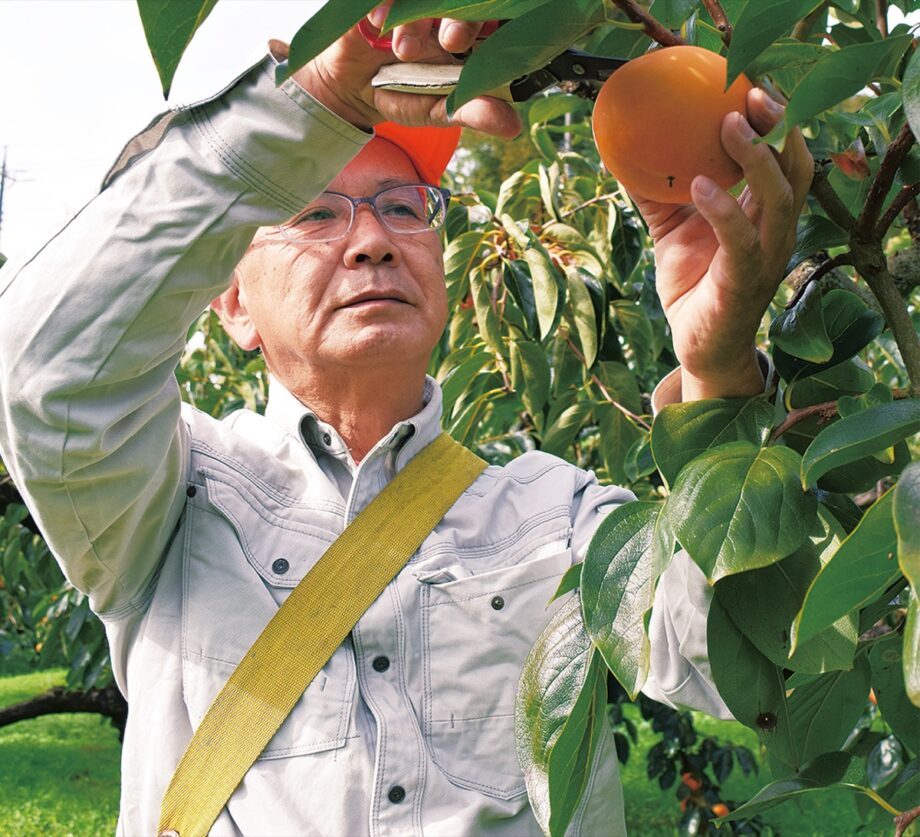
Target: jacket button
{"x":191,"y":491}
{"x":327,"y":439}
{"x":397,"y":794}
{"x":280,"y":566}
{"x":498,"y":603}
{"x":381,"y":663}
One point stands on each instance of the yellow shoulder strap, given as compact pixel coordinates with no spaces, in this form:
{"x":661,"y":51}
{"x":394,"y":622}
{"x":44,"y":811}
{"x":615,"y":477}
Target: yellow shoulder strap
{"x":305,"y":632}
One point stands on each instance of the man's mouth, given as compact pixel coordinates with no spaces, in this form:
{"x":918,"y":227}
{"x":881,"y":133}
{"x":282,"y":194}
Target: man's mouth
{"x":371,"y":299}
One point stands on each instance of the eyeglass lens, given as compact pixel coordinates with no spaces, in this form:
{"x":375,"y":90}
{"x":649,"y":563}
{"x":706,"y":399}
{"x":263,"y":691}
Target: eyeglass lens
{"x":402,"y":209}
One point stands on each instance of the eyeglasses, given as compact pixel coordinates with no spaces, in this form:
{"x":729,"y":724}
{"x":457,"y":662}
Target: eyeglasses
{"x":405,"y":210}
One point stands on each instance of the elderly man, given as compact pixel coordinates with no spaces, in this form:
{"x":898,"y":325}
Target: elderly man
{"x":188,"y":533}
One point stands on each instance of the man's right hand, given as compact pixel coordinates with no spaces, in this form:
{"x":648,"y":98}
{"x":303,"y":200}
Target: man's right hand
{"x":340,"y":78}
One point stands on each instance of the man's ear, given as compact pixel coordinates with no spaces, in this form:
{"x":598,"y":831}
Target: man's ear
{"x":234,"y":315}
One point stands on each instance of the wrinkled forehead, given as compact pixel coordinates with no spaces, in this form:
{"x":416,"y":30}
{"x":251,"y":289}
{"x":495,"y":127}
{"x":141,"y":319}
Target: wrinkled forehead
{"x":378,"y":165}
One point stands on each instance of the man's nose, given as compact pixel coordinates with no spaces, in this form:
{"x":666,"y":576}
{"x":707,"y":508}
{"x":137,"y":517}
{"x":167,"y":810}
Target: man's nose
{"x":369,"y":240}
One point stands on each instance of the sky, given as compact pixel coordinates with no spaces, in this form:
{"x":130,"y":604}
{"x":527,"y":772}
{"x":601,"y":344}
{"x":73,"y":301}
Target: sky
{"x":77,"y":82}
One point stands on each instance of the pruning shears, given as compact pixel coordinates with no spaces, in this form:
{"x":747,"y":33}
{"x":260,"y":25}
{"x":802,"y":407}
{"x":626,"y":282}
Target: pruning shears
{"x":441,"y":79}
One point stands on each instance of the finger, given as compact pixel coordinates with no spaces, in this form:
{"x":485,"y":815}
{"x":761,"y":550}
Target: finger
{"x":491,"y":116}
{"x":738,"y":238}
{"x":458,"y":35}
{"x":378,"y":14}
{"x":764,"y":112}
{"x":770,"y":202}
{"x":410,"y":40}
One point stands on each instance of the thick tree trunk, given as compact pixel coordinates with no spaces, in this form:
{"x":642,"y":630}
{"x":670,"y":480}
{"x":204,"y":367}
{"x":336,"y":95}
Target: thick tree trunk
{"x":107,"y":701}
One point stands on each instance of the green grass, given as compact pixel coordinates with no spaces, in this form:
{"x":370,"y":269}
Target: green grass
{"x":59,"y":775}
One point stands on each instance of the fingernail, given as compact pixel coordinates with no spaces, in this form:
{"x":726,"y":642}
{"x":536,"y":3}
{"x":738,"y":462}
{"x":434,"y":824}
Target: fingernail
{"x":458,"y":35}
{"x":408,"y":47}
{"x":378,"y":16}
{"x":703,"y":186}
{"x":744,"y":127}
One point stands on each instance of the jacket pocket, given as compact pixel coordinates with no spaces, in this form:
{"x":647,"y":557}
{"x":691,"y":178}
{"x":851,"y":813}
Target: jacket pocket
{"x":476,"y":634}
{"x":229,"y":596}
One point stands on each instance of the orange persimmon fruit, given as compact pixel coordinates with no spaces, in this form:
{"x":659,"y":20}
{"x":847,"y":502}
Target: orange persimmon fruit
{"x":657,"y":122}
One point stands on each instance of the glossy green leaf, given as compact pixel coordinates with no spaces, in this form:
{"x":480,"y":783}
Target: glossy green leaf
{"x":633,"y":321}
{"x":461,"y":255}
{"x":763,"y":603}
{"x":859,"y":435}
{"x":836,"y":77}
{"x":786,"y":58}
{"x":518,"y":282}
{"x":530,"y":376}
{"x":910,"y":92}
{"x":620,"y":383}
{"x":481,"y":287}
{"x":325,"y":27}
{"x":458,"y":378}
{"x":524,"y":44}
{"x":823,"y":711}
{"x":737,"y":507}
{"x":169,"y":26}
{"x":849,"y":405}
{"x":758,"y":26}
{"x":547,"y":108}
{"x":571,"y":580}
{"x":672,"y":13}
{"x":829,"y":770}
{"x":546,"y":285}
{"x":751,"y":686}
{"x":852,"y":377}
{"x":627,"y":243}
{"x":814,"y":233}
{"x":683,"y":431}
{"x":582,"y":309}
{"x":886,"y":660}
{"x":406,"y":11}
{"x":800,"y":331}
{"x":858,"y":572}
{"x":561,"y":432}
{"x":906,"y":512}
{"x":618,"y":434}
{"x":850,"y":325}
{"x":627,"y":554}
{"x":911,"y":664}
{"x":556,"y":706}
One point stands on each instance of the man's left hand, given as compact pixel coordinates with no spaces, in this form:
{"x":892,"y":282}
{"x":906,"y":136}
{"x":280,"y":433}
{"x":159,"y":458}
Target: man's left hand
{"x":720,"y":260}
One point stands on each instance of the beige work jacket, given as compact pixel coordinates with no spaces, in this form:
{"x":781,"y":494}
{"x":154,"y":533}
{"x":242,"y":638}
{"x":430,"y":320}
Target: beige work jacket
{"x":186,"y":533}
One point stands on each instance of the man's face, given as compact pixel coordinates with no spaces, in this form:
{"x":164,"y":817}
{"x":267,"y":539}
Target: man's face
{"x":371,"y":298}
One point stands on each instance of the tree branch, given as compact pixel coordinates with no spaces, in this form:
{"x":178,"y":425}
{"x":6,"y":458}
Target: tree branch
{"x":829,"y":200}
{"x":881,"y":184}
{"x":825,"y":410}
{"x":717,"y":13}
{"x":652,"y":27}
{"x":821,"y":270}
{"x":904,"y":198}
{"x":106,"y":701}
{"x":901,"y":821}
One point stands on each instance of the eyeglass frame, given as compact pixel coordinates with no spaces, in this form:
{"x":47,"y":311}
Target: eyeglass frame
{"x":372,"y":202}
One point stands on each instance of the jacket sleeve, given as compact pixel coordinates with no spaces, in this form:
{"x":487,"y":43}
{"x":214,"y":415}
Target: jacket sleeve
{"x":93,"y":326}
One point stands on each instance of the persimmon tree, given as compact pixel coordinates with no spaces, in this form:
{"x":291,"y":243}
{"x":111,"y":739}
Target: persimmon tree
{"x":802,"y":505}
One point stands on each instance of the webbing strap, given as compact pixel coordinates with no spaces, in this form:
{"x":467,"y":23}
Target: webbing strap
{"x":305,"y":632}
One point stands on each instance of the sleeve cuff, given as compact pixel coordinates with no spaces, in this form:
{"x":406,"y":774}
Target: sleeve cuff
{"x":668,"y":390}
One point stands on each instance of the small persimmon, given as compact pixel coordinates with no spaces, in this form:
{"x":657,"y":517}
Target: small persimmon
{"x":691,"y":780}
{"x":657,"y":122}
{"x":720,"y":809}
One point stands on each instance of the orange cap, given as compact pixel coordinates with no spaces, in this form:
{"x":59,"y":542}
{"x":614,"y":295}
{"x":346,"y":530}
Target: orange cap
{"x":430,"y":149}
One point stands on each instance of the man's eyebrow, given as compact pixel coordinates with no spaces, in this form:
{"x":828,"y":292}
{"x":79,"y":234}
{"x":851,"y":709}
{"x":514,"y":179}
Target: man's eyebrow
{"x":394,"y":181}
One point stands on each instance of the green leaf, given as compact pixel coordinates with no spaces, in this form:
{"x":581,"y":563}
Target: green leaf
{"x":738,"y":507}
{"x":627,"y":554}
{"x":627,"y":243}
{"x":571,"y":580}
{"x":486,"y":318}
{"x":618,"y":434}
{"x":800,"y":331}
{"x":325,"y":27}
{"x":169,"y":26}
{"x":560,"y":434}
{"x":911,"y":666}
{"x":455,"y":381}
{"x":683,"y":431}
{"x":672,"y":13}
{"x":524,"y":44}
{"x":633,"y":320}
{"x":829,"y":770}
{"x":546,"y":285}
{"x":784,"y":59}
{"x":906,"y":512}
{"x":850,"y":325}
{"x":763,"y":603}
{"x":557,"y":706}
{"x":814,"y":233}
{"x":823,"y":711}
{"x":461,"y":255}
{"x":750,"y":685}
{"x":852,"y":377}
{"x":910,"y":92}
{"x":886,"y":661}
{"x":836,"y":77}
{"x":405,"y":11}
{"x":518,"y":281}
{"x":859,"y":571}
{"x":758,"y":26}
{"x":530,"y":376}
{"x":582,"y":308}
{"x":549,"y":107}
{"x":859,"y":435}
